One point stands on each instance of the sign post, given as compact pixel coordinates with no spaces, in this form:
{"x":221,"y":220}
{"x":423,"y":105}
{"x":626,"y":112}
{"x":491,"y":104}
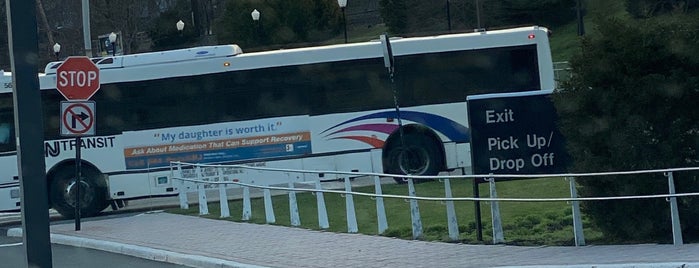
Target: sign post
{"x":514,"y":133}
{"x":77,"y":79}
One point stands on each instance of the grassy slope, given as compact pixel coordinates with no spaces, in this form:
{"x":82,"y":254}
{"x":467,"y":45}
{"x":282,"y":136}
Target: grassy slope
{"x":524,"y":223}
{"x":565,"y":41}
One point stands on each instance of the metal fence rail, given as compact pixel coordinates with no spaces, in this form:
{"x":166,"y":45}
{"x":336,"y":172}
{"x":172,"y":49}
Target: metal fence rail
{"x":201,"y":176}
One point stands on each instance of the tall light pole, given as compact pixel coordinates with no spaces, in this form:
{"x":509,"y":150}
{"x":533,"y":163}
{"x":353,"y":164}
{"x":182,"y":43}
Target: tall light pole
{"x":256,"y":17}
{"x":112,"y":40}
{"x":86,"y":27}
{"x":448,"y":17}
{"x":343,"y":5}
{"x":57,"y":50}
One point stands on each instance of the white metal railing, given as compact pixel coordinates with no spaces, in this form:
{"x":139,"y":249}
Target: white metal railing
{"x":201,"y":176}
{"x":561,"y":72}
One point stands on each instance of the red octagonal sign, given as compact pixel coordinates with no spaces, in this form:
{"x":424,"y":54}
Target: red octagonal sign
{"x":78,"y":78}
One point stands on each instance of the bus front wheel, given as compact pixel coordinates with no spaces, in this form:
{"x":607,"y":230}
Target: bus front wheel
{"x":93,"y":192}
{"x":416,"y":155}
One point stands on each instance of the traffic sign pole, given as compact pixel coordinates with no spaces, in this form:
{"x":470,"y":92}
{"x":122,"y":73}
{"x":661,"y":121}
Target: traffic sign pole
{"x":77,"y":119}
{"x":78,"y":182}
{"x":77,"y":79}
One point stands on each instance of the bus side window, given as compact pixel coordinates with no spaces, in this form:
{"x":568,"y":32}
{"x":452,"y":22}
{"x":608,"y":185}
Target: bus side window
{"x":6,"y":140}
{"x":7,"y":123}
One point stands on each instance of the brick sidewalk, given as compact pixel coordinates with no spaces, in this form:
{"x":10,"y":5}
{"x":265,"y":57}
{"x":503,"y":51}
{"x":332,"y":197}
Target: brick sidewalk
{"x":171,"y":237}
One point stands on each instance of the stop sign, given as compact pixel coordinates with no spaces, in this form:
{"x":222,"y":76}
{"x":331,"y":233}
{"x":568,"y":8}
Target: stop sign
{"x":77,"y":78}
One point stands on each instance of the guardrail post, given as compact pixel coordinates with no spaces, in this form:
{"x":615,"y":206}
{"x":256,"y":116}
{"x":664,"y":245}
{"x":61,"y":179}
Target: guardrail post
{"x":577,"y":218}
{"x":498,"y":236}
{"x":380,"y":209}
{"x":349,"y":205}
{"x":674,"y":212}
{"x":452,"y":222}
{"x":247,"y":208}
{"x":222,"y":195}
{"x":184,"y":203}
{"x":203,"y":205}
{"x":414,"y":211}
{"x":293,"y":206}
{"x":269,"y":209}
{"x":322,"y":211}
{"x":223,"y":201}
{"x":477,"y":208}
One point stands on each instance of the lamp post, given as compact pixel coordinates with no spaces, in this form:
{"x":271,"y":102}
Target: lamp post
{"x":448,"y":17}
{"x":580,"y":13}
{"x":57,"y":51}
{"x":112,"y":40}
{"x":343,"y":4}
{"x":256,"y":17}
{"x":478,"y":15}
{"x":180,"y":26}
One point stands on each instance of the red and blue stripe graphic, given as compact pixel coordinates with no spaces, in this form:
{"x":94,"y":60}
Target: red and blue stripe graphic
{"x":447,"y":127}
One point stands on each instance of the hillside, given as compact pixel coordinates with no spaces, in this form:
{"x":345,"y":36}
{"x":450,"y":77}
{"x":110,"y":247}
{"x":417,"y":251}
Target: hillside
{"x":365,"y":21}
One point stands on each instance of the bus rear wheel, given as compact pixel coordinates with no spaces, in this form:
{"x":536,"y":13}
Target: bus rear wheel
{"x":416,"y":155}
{"x":93,"y":192}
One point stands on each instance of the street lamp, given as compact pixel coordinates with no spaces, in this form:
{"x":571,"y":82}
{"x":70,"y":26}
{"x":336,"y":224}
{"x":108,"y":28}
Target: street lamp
{"x":256,"y":17}
{"x":343,"y":4}
{"x":180,"y":26}
{"x":57,"y":50}
{"x":112,"y":40}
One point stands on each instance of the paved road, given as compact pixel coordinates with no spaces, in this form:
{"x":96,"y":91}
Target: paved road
{"x":201,"y":242}
{"x":12,"y":254}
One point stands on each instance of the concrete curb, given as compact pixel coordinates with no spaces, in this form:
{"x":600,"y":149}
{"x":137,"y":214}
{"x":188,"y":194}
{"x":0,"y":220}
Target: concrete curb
{"x":140,"y":251}
{"x":624,"y":265}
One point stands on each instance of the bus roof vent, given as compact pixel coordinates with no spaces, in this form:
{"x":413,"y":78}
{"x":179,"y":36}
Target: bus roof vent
{"x":160,"y":57}
{"x":186,"y":54}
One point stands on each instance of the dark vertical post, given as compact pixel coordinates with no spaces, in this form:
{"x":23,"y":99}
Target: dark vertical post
{"x":196,"y":17}
{"x":344,"y":21}
{"x":259,"y":26}
{"x":78,"y":182}
{"x":29,"y":129}
{"x":579,"y":11}
{"x":477,"y":204}
{"x":478,"y":15}
{"x":448,"y":17}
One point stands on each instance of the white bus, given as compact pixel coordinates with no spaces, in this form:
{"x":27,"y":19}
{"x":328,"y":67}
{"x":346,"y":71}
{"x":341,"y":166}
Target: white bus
{"x":317,"y":108}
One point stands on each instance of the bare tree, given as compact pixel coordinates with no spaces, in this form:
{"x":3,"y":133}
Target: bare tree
{"x":45,"y":23}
